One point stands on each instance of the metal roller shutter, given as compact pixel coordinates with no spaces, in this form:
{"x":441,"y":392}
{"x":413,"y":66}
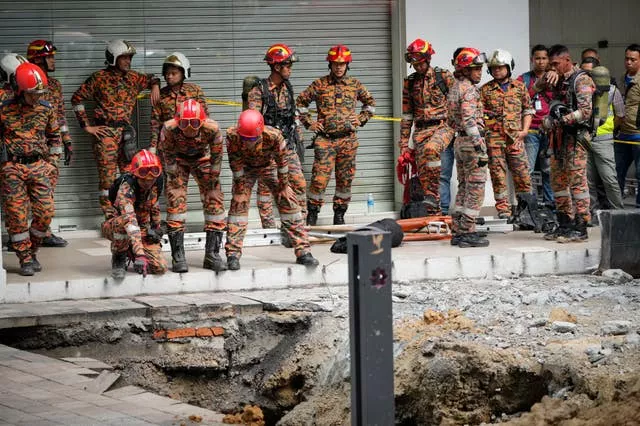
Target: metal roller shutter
{"x":225,"y":41}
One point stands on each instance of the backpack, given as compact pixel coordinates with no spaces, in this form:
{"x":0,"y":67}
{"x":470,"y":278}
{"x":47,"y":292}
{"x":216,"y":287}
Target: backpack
{"x":415,"y":207}
{"x":133,"y":182}
{"x":591,"y":126}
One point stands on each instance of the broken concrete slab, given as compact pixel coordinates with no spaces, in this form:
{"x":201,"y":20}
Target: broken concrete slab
{"x":102,"y":383}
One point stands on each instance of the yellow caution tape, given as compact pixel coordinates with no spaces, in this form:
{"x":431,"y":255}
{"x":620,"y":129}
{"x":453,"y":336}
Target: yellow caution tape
{"x":626,"y":142}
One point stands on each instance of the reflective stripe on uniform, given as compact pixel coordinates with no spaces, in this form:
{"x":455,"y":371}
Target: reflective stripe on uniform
{"x":369,"y":108}
{"x":291,"y":216}
{"x":19,"y":237}
{"x":343,"y":194}
{"x":214,"y":217}
{"x":470,"y":212}
{"x":128,"y":208}
{"x":64,"y":129}
{"x":104,"y":193}
{"x":522,"y":193}
{"x":131,"y":228}
{"x":55,"y":150}
{"x":317,"y":197}
{"x":239,"y":220}
{"x":120,"y":236}
{"x":238,"y":174}
{"x":303,"y":110}
{"x":178,"y":217}
{"x":563,"y":193}
{"x":264,"y":198}
{"x":38,"y":233}
{"x":283,"y":170}
{"x":78,"y":107}
{"x":434,"y":163}
{"x":581,"y":196}
{"x":502,"y":195}
{"x":407,"y":116}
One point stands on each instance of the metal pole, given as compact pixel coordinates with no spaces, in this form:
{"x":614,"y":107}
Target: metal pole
{"x":371,"y":326}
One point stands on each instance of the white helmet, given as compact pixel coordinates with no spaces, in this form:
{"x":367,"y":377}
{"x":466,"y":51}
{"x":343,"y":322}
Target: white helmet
{"x":117,"y":48}
{"x":8,"y":65}
{"x":177,"y":59}
{"x":501,"y":57}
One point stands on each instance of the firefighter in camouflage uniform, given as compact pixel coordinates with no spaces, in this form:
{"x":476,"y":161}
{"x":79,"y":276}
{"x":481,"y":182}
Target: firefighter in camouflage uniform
{"x":192,"y":144}
{"x":8,"y":65}
{"x":114,"y":91}
{"x":253,"y":148}
{"x":336,"y":142}
{"x":424,"y":108}
{"x":134,"y":230}
{"x":31,"y":149}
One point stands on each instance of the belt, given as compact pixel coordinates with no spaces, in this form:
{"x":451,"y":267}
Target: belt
{"x":190,"y":157}
{"x":423,"y":124}
{"x":336,"y":135}
{"x":23,"y":159}
{"x":463,"y":133}
{"x":114,"y":124}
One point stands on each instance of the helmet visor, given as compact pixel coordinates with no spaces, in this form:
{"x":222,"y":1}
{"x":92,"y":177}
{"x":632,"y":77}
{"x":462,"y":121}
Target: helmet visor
{"x":144,"y":172}
{"x":415,"y":57}
{"x":479,"y":60}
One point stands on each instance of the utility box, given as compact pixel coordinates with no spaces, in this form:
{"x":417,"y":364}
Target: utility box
{"x":620,"y":240}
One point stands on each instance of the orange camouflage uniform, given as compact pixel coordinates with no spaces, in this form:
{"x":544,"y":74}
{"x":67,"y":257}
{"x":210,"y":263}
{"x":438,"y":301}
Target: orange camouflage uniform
{"x":250,"y":161}
{"x":296,"y":175}
{"x":503,"y":112}
{"x":167,"y":106}
{"x":31,"y":137}
{"x":115,"y":97}
{"x":6,"y":92}
{"x":336,"y":146}
{"x":127,"y":228}
{"x":200,"y":156}
{"x":425,"y":105}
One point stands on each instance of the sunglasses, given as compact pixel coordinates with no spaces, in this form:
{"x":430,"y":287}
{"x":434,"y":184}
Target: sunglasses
{"x":194,"y":123}
{"x":153,"y":171}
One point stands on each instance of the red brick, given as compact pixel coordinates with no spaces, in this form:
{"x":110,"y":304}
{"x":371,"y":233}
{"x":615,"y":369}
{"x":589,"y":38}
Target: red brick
{"x":159,"y":334}
{"x":181,"y":332}
{"x":217,"y":331}
{"x":204,"y":332}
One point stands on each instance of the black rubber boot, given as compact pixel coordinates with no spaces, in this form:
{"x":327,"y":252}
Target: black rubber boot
{"x":472,"y":239}
{"x":577,"y":234}
{"x":563,"y":228}
{"x":54,"y":241}
{"x":37,"y":267}
{"x":178,"y":259}
{"x":212,"y":258}
{"x":312,"y":214}
{"x":338,"y":214}
{"x":26,"y":269}
{"x":307,"y":259}
{"x":119,"y":265}
{"x":233,"y":262}
{"x":431,"y":205}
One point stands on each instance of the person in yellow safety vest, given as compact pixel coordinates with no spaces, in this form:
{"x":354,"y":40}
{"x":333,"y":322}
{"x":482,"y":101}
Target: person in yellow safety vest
{"x":604,"y":190}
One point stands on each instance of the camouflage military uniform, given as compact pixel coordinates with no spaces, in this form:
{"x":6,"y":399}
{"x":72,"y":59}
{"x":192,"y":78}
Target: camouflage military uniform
{"x":6,"y":92}
{"x":503,"y":113}
{"x":249,"y":163}
{"x":465,"y":116}
{"x":127,"y":228}
{"x":115,"y":97}
{"x":337,"y":144}
{"x":424,"y":105}
{"x":200,"y":156}
{"x":31,"y":135}
{"x":296,"y":175}
{"x":569,"y":163}
{"x":56,"y":99}
{"x":166,"y":107}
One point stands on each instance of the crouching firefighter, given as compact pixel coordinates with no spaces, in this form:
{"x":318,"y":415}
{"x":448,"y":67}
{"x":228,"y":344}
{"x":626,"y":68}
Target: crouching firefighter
{"x":135,"y":229}
{"x":191,"y":144}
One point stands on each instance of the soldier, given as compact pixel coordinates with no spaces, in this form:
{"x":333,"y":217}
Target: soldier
{"x":507,"y":117}
{"x":42,"y":53}
{"x":134,"y":229}
{"x":175,"y":69}
{"x":465,"y":116}
{"x":336,"y":141}
{"x":191,"y":143}
{"x":424,"y":107}
{"x":273,"y":97}
{"x":114,"y":90}
{"x":8,"y":65}
{"x":252,"y":148}
{"x":30,"y":134}
{"x":572,"y":125}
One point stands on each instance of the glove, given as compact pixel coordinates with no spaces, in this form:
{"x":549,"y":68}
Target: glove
{"x":141,"y":265}
{"x":68,"y":154}
{"x":483,"y":158}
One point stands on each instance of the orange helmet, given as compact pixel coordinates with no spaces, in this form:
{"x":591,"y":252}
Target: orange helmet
{"x":145,"y":164}
{"x":339,"y":53}
{"x":250,"y":124}
{"x":190,"y":114}
{"x":418,"y":51}
{"x":280,"y":53}
{"x":40,"y":49}
{"x":469,"y":57}
{"x":30,"y":78}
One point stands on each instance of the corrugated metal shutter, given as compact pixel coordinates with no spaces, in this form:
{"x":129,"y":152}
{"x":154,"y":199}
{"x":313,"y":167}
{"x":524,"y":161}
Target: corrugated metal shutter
{"x":225,"y":41}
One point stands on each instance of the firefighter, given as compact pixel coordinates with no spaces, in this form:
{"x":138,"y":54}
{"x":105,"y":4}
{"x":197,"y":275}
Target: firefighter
{"x":336,"y":140}
{"x":253,"y":148}
{"x":32,"y":147}
{"x":42,"y":53}
{"x":273,"y":97}
{"x":465,"y":116}
{"x":8,"y":65}
{"x":424,"y":108}
{"x":114,"y":91}
{"x":192,"y":144}
{"x":176,"y":69}
{"x":135,"y":229}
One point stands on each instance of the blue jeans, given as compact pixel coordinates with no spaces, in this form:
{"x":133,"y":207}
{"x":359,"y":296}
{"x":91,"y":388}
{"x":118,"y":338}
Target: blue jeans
{"x":446,"y":169}
{"x":535,"y":144}
{"x":625,"y":154}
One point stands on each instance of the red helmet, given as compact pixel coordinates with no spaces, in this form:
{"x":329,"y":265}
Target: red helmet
{"x":145,"y":164}
{"x":40,"y":49}
{"x":418,"y":51}
{"x":469,"y":57}
{"x":190,"y":114}
{"x":250,"y":123}
{"x":280,"y":53}
{"x":30,"y":78}
{"x":339,"y":53}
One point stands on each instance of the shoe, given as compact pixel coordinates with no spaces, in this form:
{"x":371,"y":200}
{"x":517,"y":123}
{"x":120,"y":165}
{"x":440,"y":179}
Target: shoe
{"x":307,"y":259}
{"x":37,"y":267}
{"x":504,"y":215}
{"x":54,"y":241}
{"x":455,"y":240}
{"x":233,"y":263}
{"x":212,"y":258}
{"x":27,"y":269}
{"x":119,"y":265}
{"x":178,"y":259}
{"x":577,"y":234}
{"x":312,"y":214}
{"x":563,"y":228}
{"x":338,"y":214}
{"x":472,"y":239}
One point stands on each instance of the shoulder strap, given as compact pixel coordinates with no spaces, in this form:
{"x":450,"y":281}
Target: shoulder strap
{"x":292,"y":99}
{"x":440,"y":81}
{"x":266,"y":94}
{"x":526,"y":79}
